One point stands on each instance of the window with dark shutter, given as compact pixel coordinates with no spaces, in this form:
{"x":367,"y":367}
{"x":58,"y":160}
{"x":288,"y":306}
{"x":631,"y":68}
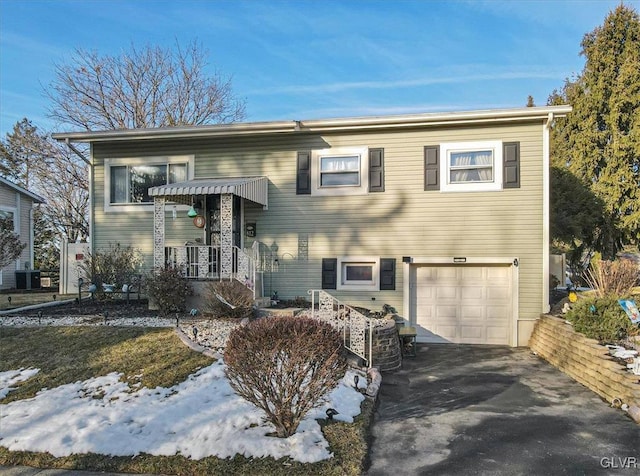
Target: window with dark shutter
{"x":387,"y":274}
{"x":376,"y":170}
{"x":431,"y":167}
{"x":329,"y":273}
{"x":303,"y":177}
{"x":511,"y":165}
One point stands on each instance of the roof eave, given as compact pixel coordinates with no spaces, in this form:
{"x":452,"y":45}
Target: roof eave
{"x":527,"y":114}
{"x":24,"y":191}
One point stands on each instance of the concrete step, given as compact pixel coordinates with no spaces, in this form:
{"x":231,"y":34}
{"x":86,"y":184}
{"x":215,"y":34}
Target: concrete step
{"x":277,"y":312}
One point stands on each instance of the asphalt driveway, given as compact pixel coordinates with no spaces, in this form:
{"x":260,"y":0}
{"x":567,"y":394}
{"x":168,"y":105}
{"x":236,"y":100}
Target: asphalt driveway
{"x":462,"y":409}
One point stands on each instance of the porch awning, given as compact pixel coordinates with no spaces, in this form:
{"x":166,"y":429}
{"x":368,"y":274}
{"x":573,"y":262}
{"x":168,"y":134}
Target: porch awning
{"x":251,"y":188}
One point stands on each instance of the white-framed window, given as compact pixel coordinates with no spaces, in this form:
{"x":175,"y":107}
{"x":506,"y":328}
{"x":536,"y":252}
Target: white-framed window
{"x":127,"y":181}
{"x":8,"y":219}
{"x":471,"y":166}
{"x":358,"y":273}
{"x":340,"y":171}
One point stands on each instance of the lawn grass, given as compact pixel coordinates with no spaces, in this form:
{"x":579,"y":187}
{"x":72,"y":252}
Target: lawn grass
{"x":154,"y":357}
{"x":27,"y":298}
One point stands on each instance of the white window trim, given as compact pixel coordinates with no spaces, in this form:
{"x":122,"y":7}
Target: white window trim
{"x":373,"y":286}
{"x":159,"y":160}
{"x":362,"y":189}
{"x":16,"y":223}
{"x":447,"y":148}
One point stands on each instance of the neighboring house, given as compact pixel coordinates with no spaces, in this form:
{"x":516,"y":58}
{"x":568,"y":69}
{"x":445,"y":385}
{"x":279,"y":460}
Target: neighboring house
{"x":16,"y":204}
{"x":443,"y":216}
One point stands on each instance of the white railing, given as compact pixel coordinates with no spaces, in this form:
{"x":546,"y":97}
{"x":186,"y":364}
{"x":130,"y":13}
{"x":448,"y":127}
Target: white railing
{"x":355,"y":327}
{"x":204,"y":262}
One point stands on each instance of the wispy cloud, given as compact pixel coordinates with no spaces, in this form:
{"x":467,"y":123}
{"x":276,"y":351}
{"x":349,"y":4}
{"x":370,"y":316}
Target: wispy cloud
{"x":26,"y":43}
{"x":319,"y":113}
{"x":408,"y":83}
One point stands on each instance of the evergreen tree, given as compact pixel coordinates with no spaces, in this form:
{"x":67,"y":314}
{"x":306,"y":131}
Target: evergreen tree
{"x":23,"y":153}
{"x":599,"y":142}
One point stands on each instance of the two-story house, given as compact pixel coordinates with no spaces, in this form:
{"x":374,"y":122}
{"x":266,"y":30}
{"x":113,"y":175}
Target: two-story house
{"x":443,"y":216}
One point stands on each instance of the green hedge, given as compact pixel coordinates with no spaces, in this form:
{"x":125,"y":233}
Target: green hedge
{"x":601,"y":318}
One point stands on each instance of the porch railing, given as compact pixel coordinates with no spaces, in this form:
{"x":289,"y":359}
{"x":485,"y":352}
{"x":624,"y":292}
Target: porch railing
{"x":204,"y":262}
{"x":355,"y":327}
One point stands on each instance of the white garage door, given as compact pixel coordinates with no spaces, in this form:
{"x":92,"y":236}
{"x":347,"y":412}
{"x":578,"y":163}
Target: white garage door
{"x":463,"y":304}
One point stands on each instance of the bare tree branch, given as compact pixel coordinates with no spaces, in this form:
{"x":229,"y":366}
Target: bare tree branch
{"x":148,"y":87}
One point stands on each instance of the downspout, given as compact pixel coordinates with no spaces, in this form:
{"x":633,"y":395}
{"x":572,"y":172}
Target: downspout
{"x":546,"y":202}
{"x":75,"y":150}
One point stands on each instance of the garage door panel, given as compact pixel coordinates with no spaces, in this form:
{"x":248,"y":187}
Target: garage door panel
{"x":475,"y":333}
{"x":471,"y":273}
{"x":496,"y":335}
{"x":464,"y":304}
{"x":444,"y":274}
{"x":469,"y":313}
{"x":448,"y":332}
{"x":498,"y":293}
{"x":446,"y":313}
{"x":498,"y":272}
{"x":499,"y":313}
{"x":425,"y":275}
{"x":471,"y":292}
{"x":447,"y":292}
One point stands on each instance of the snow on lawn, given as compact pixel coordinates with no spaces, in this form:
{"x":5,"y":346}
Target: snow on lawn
{"x":12,"y":377}
{"x":199,"y":417}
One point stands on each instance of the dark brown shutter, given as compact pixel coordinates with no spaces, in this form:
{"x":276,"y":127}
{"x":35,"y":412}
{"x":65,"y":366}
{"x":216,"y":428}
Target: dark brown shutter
{"x":376,"y":170}
{"x":387,"y":274}
{"x":329,"y":273}
{"x":432,"y":167}
{"x":303,"y":177}
{"x":511,"y":165}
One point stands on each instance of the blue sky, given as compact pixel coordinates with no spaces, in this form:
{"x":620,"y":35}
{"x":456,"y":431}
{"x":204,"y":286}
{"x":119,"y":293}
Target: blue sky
{"x":315,"y":59}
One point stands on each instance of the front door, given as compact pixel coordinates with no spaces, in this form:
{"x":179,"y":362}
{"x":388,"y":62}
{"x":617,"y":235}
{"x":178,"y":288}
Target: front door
{"x":213,"y":221}
{"x":214,"y":230}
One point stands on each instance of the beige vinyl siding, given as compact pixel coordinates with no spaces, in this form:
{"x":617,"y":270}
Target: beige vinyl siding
{"x":402,"y":221}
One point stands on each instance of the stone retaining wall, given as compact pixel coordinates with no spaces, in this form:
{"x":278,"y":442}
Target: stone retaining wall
{"x":584,"y":360}
{"x":386,"y":347}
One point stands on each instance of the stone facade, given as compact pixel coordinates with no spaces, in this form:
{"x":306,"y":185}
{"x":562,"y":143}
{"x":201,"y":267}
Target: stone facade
{"x":584,"y":360}
{"x":386,"y":347}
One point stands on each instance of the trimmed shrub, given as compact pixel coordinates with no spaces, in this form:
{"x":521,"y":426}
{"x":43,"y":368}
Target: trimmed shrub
{"x":228,"y":299}
{"x":285,"y":366}
{"x":116,"y":265}
{"x":602,"y":319}
{"x":169,"y":288}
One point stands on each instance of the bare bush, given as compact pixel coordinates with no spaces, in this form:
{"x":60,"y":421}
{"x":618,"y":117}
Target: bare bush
{"x":116,"y":265}
{"x":169,"y":289}
{"x":612,"y":278}
{"x":228,"y":299}
{"x":285,"y":366}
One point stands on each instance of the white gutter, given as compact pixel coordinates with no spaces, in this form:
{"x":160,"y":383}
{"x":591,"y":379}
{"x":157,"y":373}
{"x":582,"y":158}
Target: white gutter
{"x":320,"y":125}
{"x":546,"y":204}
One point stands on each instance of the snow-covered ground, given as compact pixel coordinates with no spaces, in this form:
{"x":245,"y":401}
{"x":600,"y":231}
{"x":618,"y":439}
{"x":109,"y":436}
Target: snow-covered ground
{"x":200,"y":417}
